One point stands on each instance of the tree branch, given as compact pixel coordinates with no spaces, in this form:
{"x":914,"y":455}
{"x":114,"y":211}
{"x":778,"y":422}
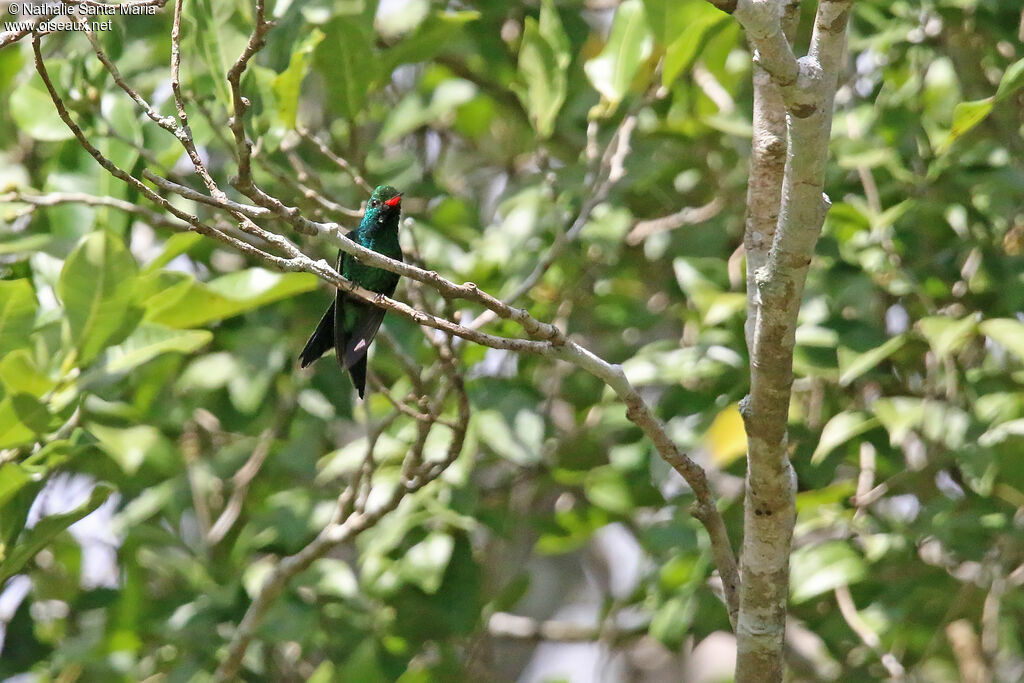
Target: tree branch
{"x":514,"y":626}
{"x":545,"y":339}
{"x":786,"y":211}
{"x":351,"y":514}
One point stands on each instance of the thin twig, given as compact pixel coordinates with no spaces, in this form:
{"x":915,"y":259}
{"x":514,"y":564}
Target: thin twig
{"x":241,"y":480}
{"x":57,"y":198}
{"x":690,"y":215}
{"x":545,"y":339}
{"x":853,"y":619}
{"x":335,"y":159}
{"x":517,"y":627}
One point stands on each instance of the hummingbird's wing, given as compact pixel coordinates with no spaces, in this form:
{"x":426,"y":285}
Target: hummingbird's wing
{"x":355,"y":325}
{"x":321,"y":341}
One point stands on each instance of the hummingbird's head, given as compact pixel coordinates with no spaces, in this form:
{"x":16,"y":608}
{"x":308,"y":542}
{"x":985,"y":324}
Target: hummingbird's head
{"x":385,"y":205}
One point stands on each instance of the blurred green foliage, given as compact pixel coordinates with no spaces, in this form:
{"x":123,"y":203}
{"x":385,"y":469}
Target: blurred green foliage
{"x":150,"y":363}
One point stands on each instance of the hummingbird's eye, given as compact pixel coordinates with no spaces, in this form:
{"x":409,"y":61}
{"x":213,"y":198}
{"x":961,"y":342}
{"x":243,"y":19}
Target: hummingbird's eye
{"x":374,"y":203}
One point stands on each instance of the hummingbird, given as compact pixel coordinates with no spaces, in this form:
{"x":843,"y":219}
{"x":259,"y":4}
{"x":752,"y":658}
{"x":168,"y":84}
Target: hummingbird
{"x":350,"y":324}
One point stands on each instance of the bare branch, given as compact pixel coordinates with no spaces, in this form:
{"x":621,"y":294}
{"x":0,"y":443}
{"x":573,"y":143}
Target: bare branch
{"x":853,"y":619}
{"x":775,"y":296}
{"x":972,"y":665}
{"x":545,"y":339}
{"x":689,"y":215}
{"x":241,"y":480}
{"x":57,"y":198}
{"x":184,"y":133}
{"x":351,"y":516}
{"x":762,"y":20}
{"x":611,"y":172}
{"x":514,"y":626}
{"x":335,"y":159}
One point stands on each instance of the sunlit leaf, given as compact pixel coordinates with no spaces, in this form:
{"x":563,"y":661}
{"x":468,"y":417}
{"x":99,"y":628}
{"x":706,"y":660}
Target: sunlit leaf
{"x":229,"y":295}
{"x":945,"y":335}
{"x":346,"y":58}
{"x":17,"y":313}
{"x":1007,"y":331}
{"x":22,"y":419}
{"x":629,"y":44}
{"x":853,"y":364}
{"x":288,"y":84}
{"x":149,"y":341}
{"x":33,"y":111}
{"x":19,"y":374}
{"x":543,"y":60}
{"x":819,"y":568}
{"x":1012,"y":81}
{"x":726,"y":438}
{"x":97,"y":286}
{"x":839,"y":429}
{"x":701,"y":23}
{"x":966,"y":116}
{"x":606,"y":487}
{"x":46,"y":529}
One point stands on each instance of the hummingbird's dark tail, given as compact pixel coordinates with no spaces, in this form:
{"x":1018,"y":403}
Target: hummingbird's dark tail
{"x":321,"y":341}
{"x":358,"y":373}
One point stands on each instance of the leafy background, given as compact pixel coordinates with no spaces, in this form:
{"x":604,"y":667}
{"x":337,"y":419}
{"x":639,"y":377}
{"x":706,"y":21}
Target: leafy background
{"x":139,"y":368}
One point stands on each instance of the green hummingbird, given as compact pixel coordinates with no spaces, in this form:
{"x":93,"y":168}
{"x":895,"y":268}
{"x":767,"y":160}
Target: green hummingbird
{"x":350,"y":324}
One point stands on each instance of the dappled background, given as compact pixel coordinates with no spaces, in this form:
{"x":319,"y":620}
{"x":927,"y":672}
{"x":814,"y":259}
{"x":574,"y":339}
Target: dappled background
{"x":149,"y":375}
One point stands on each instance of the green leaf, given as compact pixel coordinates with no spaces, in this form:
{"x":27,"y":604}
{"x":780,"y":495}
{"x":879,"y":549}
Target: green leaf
{"x":820,"y":568}
{"x":853,"y":364}
{"x":703,"y":23}
{"x":606,"y":487}
{"x":1006,"y":331}
{"x":97,"y":286}
{"x":46,"y":529}
{"x":33,"y":111}
{"x":120,"y":114}
{"x":22,"y":419}
{"x":543,"y":60}
{"x":438,"y":32}
{"x":425,"y":563}
{"x":209,"y":44}
{"x":937,"y":420}
{"x":840,"y":429}
{"x":176,"y":245}
{"x":347,"y":60}
{"x":230,"y":295}
{"x":966,"y":115}
{"x":495,"y":432}
{"x":149,"y":341}
{"x":946,"y":335}
{"x":671,"y":623}
{"x":1012,"y":81}
{"x":813,"y":499}
{"x":412,"y":112}
{"x":288,"y":84}
{"x":629,"y":45}
{"x":21,"y":243}
{"x":18,"y":307}
{"x":668,"y":18}
{"x":363,"y":665}
{"x":19,"y":374}
{"x":130,"y":446}
{"x":12,"y":479}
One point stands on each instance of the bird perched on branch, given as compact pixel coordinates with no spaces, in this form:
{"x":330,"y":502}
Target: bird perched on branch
{"x":350,"y":324}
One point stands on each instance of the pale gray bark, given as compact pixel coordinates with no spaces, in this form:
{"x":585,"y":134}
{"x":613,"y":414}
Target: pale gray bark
{"x":786,"y":210}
